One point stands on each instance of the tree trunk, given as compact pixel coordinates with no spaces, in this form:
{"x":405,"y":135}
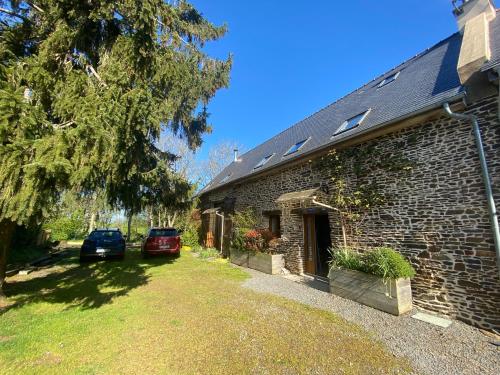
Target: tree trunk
{"x":151,"y":218}
{"x":93,"y":216}
{"x":93,"y":213}
{"x":129,"y":225}
{"x":171,"y":219}
{"x":7,"y":228}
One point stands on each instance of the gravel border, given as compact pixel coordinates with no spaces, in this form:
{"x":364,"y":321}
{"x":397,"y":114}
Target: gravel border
{"x":458,"y":349}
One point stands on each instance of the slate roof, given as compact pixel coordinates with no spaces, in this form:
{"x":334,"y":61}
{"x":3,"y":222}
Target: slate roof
{"x":425,"y":82}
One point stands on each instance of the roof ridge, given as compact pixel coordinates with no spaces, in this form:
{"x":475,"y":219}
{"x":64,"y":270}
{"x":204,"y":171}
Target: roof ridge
{"x":418,"y":55}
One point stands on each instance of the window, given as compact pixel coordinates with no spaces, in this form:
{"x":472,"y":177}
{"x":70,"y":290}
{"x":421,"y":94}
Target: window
{"x":163,"y":233}
{"x":274,"y":225}
{"x":104,"y":234}
{"x":389,"y":79}
{"x":263,"y":162}
{"x":224,"y":179}
{"x":296,"y":147}
{"x":352,"y":122}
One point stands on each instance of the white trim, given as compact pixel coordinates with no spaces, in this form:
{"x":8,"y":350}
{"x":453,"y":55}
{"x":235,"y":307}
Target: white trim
{"x":346,"y":122}
{"x":265,"y":160}
{"x":384,"y":82}
{"x":295,"y":144}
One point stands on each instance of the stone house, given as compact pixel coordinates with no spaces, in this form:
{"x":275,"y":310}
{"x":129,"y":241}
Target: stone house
{"x":440,"y":215}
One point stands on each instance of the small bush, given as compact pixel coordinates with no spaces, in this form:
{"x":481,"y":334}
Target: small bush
{"x":387,"y":263}
{"x":383,"y":262}
{"x":245,"y":220}
{"x":197,"y":248}
{"x":346,"y":258}
{"x":209,"y":253}
{"x":190,"y":237}
{"x":66,"y":228}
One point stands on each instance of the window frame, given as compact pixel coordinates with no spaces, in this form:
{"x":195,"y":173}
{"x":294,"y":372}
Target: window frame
{"x":290,"y":152}
{"x":343,"y":127}
{"x":385,"y":81}
{"x":264,"y":161}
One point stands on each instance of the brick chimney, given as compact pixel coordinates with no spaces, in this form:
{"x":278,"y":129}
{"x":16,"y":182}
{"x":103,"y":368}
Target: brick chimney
{"x":473,"y":18}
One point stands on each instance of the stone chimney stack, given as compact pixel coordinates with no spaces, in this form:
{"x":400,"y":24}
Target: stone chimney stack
{"x":466,"y":10}
{"x":473,"y":18}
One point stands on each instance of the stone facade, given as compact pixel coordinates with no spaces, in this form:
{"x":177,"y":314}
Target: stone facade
{"x":437,"y":215}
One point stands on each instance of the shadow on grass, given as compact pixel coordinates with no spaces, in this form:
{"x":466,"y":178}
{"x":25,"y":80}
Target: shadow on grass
{"x":86,"y":286}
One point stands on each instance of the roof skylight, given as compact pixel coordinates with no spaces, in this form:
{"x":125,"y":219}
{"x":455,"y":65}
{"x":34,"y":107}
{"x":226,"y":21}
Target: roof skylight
{"x":389,"y":79}
{"x":263,"y":161}
{"x":296,"y":147}
{"x":352,"y":122}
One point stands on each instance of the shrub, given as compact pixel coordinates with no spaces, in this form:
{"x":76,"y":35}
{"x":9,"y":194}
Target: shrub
{"x":66,"y":228}
{"x":209,"y":253}
{"x":387,"y":263}
{"x":245,"y":220}
{"x":383,"y":262}
{"x":346,"y":258}
{"x":190,"y":237}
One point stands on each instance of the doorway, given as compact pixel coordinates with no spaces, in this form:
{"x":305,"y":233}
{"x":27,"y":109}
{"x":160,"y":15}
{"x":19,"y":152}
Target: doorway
{"x":317,"y":241}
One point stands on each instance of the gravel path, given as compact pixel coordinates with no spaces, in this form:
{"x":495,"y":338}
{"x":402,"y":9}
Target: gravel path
{"x":458,"y":349}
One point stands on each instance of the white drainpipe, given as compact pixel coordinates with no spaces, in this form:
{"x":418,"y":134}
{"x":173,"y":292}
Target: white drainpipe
{"x":486,"y":176}
{"x":498,"y":72}
{"x":222,"y":231}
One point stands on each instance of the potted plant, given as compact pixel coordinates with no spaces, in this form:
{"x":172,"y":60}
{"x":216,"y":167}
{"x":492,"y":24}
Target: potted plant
{"x":379,"y":278}
{"x":254,"y":248}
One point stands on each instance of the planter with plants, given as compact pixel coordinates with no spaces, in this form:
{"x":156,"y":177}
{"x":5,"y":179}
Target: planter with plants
{"x":379,"y":278}
{"x":254,"y":248}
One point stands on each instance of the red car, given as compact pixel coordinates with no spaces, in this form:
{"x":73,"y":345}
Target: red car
{"x":161,"y":241}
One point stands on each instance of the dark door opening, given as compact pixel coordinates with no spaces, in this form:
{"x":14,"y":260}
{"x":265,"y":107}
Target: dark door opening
{"x":317,"y":241}
{"x":323,"y":243}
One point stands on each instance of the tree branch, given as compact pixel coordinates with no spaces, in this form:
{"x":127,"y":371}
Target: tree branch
{"x":33,"y":5}
{"x":63,"y":125}
{"x":91,"y":68}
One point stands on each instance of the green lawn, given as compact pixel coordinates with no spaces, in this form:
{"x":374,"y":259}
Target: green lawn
{"x":172,"y":316}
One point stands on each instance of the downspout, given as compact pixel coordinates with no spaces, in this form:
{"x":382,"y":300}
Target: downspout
{"x":221,"y":231}
{"x":486,"y":176}
{"x":498,"y":73}
{"x":344,"y":235}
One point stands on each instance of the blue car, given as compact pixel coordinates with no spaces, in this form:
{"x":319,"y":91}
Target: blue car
{"x":103,"y":243}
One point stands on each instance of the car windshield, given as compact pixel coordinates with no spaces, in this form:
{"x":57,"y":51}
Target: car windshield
{"x":105,"y":234}
{"x":163,"y":233}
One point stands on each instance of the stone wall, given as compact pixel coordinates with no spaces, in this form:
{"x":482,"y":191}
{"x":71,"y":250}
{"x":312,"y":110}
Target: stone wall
{"x":437,"y":215}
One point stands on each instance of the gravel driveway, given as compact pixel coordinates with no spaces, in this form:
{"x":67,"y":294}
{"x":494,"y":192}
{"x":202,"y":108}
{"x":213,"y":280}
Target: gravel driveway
{"x":458,"y":349}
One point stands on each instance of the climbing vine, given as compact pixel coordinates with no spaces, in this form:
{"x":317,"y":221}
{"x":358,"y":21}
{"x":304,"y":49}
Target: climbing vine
{"x":353,"y":187}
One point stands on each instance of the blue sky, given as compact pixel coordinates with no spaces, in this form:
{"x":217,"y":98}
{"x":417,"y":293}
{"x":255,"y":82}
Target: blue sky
{"x":292,"y":58}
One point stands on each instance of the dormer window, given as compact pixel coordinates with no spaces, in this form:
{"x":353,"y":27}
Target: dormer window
{"x":352,"y":122}
{"x":389,"y":79}
{"x":296,"y":147}
{"x":263,"y":162}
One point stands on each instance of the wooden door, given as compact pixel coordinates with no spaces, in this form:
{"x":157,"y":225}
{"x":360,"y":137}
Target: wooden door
{"x":309,"y":244}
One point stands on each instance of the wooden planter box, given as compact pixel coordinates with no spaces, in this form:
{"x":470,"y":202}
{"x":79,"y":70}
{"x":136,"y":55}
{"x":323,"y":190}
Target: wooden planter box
{"x":391,"y":296}
{"x":270,"y":264}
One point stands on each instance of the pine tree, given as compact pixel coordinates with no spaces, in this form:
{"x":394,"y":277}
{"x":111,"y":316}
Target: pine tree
{"x":86,"y":88}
